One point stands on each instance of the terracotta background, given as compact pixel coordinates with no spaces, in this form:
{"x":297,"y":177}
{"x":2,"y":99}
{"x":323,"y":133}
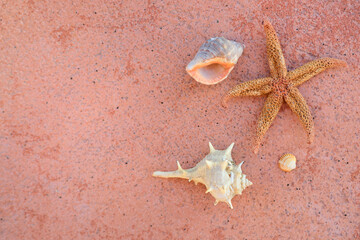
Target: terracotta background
{"x":94,"y":97}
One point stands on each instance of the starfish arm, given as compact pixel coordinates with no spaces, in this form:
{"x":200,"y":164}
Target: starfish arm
{"x":255,"y":87}
{"x":275,"y":56}
{"x":298,"y":105}
{"x":267,"y":116}
{"x":310,"y":69}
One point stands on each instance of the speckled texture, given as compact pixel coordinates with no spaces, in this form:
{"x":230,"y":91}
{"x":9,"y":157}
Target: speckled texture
{"x":94,"y":97}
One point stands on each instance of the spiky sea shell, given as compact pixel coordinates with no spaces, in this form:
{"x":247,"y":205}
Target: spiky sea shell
{"x":287,"y":162}
{"x":218,"y":172}
{"x":214,"y":60}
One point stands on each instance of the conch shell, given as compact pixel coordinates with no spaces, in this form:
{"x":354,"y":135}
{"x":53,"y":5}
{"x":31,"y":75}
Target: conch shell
{"x":218,"y":172}
{"x":214,"y":60}
{"x":287,"y":162}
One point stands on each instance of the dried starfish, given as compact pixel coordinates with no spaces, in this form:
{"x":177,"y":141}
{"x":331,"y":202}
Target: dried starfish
{"x":281,"y":85}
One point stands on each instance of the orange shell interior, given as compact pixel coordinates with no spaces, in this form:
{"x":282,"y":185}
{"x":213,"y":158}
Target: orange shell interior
{"x":212,"y":71}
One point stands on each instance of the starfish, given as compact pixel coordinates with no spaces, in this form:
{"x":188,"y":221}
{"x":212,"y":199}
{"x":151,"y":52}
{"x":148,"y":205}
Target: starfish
{"x":280,"y":86}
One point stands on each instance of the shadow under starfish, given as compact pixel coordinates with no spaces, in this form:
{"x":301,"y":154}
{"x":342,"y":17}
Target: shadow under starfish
{"x":280,"y":86}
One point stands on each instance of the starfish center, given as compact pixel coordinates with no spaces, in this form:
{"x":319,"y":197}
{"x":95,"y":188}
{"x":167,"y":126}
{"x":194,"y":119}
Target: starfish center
{"x":280,"y":86}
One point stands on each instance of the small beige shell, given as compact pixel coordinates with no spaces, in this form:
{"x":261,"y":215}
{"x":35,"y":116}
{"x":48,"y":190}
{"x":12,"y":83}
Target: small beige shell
{"x":214,"y":60}
{"x":287,"y":162}
{"x":218,"y":172}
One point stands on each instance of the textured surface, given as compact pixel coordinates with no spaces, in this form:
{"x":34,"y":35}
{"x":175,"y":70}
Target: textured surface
{"x":94,"y":98}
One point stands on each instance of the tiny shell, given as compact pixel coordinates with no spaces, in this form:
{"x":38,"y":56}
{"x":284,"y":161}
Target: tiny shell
{"x":287,"y":162}
{"x":214,"y":60}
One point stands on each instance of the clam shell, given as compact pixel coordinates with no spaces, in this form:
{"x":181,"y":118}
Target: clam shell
{"x":214,"y":60}
{"x":287,"y":162}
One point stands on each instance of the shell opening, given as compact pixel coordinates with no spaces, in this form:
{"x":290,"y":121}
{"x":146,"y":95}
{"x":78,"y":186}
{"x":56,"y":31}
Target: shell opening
{"x":211,"y":73}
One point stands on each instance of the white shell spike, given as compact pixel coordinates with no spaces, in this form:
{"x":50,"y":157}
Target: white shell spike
{"x":214,"y":60}
{"x":218,"y":172}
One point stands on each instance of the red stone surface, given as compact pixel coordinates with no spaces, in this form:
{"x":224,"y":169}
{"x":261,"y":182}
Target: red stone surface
{"x":94,"y":97}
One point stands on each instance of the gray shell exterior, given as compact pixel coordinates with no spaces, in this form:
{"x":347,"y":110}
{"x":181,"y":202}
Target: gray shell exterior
{"x":218,"y":172}
{"x":215,"y":60}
